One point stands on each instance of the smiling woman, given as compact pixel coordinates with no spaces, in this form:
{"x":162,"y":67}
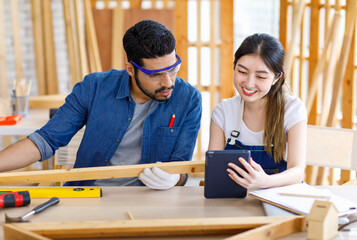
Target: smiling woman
{"x":268,"y":120}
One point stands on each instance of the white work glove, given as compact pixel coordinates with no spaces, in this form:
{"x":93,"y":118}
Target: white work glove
{"x":157,"y":178}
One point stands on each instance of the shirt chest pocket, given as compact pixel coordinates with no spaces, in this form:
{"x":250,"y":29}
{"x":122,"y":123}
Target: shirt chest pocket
{"x":165,"y":142}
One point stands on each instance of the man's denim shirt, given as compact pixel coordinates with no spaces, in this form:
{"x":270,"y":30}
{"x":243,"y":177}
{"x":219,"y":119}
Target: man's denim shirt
{"x":102,"y":102}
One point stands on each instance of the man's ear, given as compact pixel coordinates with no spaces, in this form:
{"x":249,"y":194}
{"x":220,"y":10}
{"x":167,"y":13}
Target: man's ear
{"x":130,"y":69}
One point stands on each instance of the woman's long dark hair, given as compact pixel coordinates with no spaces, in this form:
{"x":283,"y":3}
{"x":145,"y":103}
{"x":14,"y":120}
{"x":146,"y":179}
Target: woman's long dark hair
{"x":270,"y":50}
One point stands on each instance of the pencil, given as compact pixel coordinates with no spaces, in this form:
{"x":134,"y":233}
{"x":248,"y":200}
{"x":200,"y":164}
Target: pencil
{"x":304,"y":195}
{"x":130,"y":215}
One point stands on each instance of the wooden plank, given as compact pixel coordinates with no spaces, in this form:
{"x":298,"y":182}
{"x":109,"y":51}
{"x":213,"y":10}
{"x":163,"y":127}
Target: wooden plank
{"x":227,"y":51}
{"x":38,"y":35}
{"x":283,"y":23}
{"x":349,"y":97}
{"x":47,"y":101}
{"x":135,"y":3}
{"x":73,"y":60}
{"x":292,"y":48}
{"x":313,"y":53}
{"x":321,"y":62}
{"x":334,"y":46}
{"x":117,"y":60}
{"x":103,"y":31}
{"x":311,"y":171}
{"x":303,"y":50}
{"x":3,"y":71}
{"x":16,"y":233}
{"x":50,"y":55}
{"x":273,"y":230}
{"x":349,"y":86}
{"x":77,"y":174}
{"x":162,"y":227}
{"x":181,"y":34}
{"x":91,"y":36}
{"x":83,"y":60}
{"x":16,"y":38}
{"x":351,"y":13}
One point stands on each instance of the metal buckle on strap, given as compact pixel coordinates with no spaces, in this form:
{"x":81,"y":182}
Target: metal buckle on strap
{"x":234,"y":136}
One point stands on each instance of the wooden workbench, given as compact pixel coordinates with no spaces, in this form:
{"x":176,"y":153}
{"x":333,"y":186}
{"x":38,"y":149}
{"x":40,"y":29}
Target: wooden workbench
{"x":144,"y":203}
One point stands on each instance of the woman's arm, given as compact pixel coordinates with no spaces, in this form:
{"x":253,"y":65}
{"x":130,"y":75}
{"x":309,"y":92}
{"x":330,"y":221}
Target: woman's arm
{"x":296,"y":163}
{"x":216,"y":140}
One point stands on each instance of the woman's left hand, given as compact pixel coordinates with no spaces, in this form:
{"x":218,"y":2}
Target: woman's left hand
{"x":254,"y":177}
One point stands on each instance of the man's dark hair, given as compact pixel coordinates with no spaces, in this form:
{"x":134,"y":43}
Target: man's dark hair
{"x":148,"y":39}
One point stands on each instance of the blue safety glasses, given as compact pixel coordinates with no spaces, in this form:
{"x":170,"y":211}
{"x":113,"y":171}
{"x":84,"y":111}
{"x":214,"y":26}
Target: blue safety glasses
{"x":159,"y":74}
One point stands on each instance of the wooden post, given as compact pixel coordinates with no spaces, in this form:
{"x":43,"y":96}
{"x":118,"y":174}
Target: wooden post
{"x":227,"y":51}
{"x":83,"y":60}
{"x":181,"y":23}
{"x":3,"y":73}
{"x":117,"y":37}
{"x":342,"y":63}
{"x":135,"y":3}
{"x":321,"y":62}
{"x":50,"y":56}
{"x":37,"y":22}
{"x":283,"y":28}
{"x":91,"y":36}
{"x":311,"y":171}
{"x":349,"y":95}
{"x":16,"y":38}
{"x":297,"y":18}
{"x":71,"y":42}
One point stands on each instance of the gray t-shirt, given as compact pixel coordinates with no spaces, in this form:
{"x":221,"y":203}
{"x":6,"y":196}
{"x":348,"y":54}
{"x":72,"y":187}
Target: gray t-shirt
{"x":129,"y":149}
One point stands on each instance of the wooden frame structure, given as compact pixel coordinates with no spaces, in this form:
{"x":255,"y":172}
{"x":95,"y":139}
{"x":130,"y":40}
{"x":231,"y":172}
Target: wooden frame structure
{"x":332,"y":66}
{"x":246,"y":227}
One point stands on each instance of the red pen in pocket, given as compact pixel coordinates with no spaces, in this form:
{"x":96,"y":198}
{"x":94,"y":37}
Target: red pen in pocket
{"x":172,"y":120}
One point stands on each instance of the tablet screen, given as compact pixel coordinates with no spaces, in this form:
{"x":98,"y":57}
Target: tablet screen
{"x":217,"y":182}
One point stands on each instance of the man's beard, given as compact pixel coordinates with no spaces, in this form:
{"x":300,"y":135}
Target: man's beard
{"x":152,"y":96}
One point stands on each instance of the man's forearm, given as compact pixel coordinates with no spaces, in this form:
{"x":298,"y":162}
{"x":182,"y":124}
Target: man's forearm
{"x":18,"y":155}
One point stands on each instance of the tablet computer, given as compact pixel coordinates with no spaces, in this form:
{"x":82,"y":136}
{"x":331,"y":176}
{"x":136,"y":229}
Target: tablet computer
{"x":217,"y":182}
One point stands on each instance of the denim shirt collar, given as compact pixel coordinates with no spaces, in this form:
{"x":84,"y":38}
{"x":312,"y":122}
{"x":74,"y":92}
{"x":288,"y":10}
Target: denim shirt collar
{"x":124,"y":89}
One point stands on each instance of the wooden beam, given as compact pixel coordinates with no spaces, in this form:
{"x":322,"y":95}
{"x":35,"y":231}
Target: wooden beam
{"x":292,"y":48}
{"x":181,"y":34}
{"x":227,"y":51}
{"x":351,"y":13}
{"x":117,"y":37}
{"x":91,"y":36}
{"x":283,"y":26}
{"x":321,"y":61}
{"x":263,"y":228}
{"x":38,"y":35}
{"x":311,"y":171}
{"x":314,"y":54}
{"x":50,"y":55}
{"x":71,"y":42}
{"x":47,"y":101}
{"x":82,"y":52}
{"x":78,"y":174}
{"x":3,"y":72}
{"x":331,"y":60}
{"x":16,"y":38}
{"x":135,"y":3}
{"x":274,"y":230}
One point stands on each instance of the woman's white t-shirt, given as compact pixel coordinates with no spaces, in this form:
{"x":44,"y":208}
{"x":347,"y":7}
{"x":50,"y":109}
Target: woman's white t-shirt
{"x":226,"y":116}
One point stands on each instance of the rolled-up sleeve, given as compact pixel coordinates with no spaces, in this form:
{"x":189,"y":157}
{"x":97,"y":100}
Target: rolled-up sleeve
{"x":45,"y":149}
